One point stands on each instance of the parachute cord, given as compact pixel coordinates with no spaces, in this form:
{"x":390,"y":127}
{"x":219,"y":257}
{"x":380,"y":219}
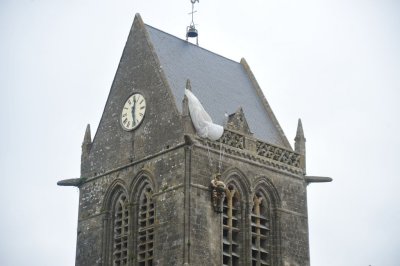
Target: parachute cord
{"x":209,"y":155}
{"x":221,"y":156}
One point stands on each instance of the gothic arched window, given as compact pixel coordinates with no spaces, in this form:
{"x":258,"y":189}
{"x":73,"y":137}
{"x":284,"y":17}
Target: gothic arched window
{"x":231,"y":220}
{"x":120,"y":231}
{"x":145,"y":234}
{"x":260,"y":231}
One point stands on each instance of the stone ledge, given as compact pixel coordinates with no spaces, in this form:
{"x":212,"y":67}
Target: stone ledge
{"x":291,"y":212}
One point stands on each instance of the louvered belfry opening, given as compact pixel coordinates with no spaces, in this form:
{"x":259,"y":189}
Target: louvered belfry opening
{"x":231,"y":227}
{"x":146,"y":227}
{"x":260,"y":231}
{"x":121,"y":227}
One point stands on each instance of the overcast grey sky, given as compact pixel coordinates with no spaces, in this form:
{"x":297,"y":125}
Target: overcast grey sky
{"x":334,"y":63}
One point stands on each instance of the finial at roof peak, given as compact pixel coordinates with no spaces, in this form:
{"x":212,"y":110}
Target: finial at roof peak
{"x":188,"y":85}
{"x":87,"y":139}
{"x":191,"y":31}
{"x":300,"y":132}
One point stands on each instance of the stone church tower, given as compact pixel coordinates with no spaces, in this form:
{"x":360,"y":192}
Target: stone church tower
{"x":152,"y":192}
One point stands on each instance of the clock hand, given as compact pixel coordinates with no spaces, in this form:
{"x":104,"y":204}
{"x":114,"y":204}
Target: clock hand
{"x":133,"y":111}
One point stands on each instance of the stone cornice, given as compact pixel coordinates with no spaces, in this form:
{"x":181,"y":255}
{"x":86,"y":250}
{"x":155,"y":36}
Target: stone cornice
{"x":234,"y":144}
{"x":93,"y":176}
{"x":291,"y":212}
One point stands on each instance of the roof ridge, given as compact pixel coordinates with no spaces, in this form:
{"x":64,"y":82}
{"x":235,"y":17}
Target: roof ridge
{"x":205,"y":49}
{"x":265,"y":102}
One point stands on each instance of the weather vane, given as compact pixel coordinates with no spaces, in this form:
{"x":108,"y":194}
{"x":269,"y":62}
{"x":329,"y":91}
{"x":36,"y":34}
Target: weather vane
{"x":191,"y":31}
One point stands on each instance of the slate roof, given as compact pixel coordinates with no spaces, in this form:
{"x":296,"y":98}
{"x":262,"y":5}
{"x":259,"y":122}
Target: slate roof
{"x":221,"y":85}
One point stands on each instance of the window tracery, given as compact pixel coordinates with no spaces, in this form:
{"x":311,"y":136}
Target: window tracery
{"x":231,"y":227}
{"x":120,"y":232}
{"x":145,"y":237}
{"x":260,"y":231}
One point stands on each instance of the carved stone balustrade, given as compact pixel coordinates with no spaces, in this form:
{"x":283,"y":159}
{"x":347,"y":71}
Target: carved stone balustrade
{"x":243,"y":145}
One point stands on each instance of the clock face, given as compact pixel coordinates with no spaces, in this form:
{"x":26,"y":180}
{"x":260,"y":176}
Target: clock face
{"x":133,"y":112}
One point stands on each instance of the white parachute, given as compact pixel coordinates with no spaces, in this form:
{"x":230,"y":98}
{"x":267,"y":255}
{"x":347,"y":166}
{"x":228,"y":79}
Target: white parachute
{"x":202,"y":121}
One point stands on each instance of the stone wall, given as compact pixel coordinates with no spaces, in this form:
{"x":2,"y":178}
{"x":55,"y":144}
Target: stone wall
{"x":290,"y":210}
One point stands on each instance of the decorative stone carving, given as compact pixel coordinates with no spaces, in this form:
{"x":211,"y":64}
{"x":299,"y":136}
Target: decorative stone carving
{"x":218,"y":193}
{"x":237,"y":121}
{"x":233,"y":139}
{"x":268,"y":154}
{"x":278,"y":154}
